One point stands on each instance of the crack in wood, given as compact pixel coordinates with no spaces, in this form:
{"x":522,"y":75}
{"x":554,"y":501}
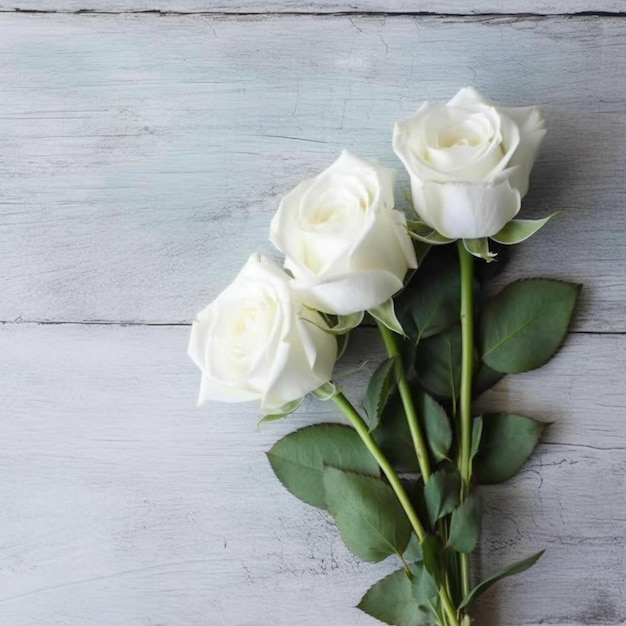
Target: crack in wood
{"x":350,"y":13}
{"x":35,"y":322}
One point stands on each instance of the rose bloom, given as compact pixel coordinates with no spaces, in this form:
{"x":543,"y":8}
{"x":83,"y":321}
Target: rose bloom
{"x":344,"y":243}
{"x":256,"y":342}
{"x":469,"y":162}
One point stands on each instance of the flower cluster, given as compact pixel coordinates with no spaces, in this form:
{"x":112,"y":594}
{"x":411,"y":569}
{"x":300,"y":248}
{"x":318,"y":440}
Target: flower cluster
{"x":274,"y":334}
{"x":347,"y":249}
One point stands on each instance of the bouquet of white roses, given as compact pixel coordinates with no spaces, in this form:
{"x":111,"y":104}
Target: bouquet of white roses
{"x":401,"y":477}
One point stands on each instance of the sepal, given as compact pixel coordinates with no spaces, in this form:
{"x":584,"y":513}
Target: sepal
{"x":425,"y":233}
{"x":281,"y":412}
{"x":386,"y":315}
{"x":517,"y":231}
{"x":339,"y":324}
{"x":326,"y":391}
{"x":479,"y":248}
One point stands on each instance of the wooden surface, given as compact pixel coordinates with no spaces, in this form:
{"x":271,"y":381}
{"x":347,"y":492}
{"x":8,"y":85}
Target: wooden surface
{"x":141,"y":158}
{"x":448,"y":7}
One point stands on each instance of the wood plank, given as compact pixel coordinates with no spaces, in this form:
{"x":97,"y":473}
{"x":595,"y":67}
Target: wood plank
{"x":453,"y":7}
{"x":143,"y":156}
{"x":125,"y":504}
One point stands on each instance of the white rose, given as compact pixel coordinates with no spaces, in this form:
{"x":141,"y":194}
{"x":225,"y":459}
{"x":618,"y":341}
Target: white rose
{"x":469,"y":162}
{"x":256,"y":342}
{"x":344,"y":243}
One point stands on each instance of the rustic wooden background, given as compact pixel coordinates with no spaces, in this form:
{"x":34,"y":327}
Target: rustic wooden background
{"x":143,"y":149}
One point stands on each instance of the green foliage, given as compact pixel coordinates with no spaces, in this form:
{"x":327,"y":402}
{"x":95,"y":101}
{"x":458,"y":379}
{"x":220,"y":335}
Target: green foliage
{"x":378,"y":389}
{"x":429,"y":306}
{"x":441,"y":493}
{"x":506,"y":442}
{"x":298,"y":459}
{"x":511,"y":570}
{"x":524,"y":326}
{"x":484,"y":378}
{"x":369,"y":516}
{"x":394,"y":438}
{"x":438,"y":363}
{"x":401,"y":600}
{"x":433,"y":557}
{"x":465,"y":525}
{"x":413,"y":550}
{"x":477,"y":433}
{"x":436,"y":425}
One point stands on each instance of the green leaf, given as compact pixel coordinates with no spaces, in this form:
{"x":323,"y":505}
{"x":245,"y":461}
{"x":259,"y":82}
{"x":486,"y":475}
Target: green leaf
{"x":380,"y":385}
{"x":424,"y":585}
{"x":426,"y":234}
{"x":507,"y":441}
{"x":386,"y":315}
{"x":438,"y":363}
{"x":511,"y":570}
{"x":433,"y":557}
{"x":413,"y":550}
{"x":524,"y":326}
{"x":421,"y":250}
{"x":394,"y":438}
{"x":436,"y":425}
{"x":517,"y":231}
{"x":370,"y":518}
{"x":477,"y":433}
{"x":283,"y":411}
{"x":298,"y":459}
{"x":441,"y":493}
{"x":465,"y":525}
{"x":394,"y":599}
{"x":479,"y":248}
{"x":451,"y":565}
{"x":484,"y":379}
{"x":426,"y":306}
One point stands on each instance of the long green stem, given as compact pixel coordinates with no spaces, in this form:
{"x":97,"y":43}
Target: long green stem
{"x":359,"y":425}
{"x":466,"y":261}
{"x":407,"y":400}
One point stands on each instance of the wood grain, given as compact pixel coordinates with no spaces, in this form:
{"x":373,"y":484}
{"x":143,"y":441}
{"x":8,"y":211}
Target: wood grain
{"x":143,"y":156}
{"x":465,"y":7}
{"x":125,"y":504}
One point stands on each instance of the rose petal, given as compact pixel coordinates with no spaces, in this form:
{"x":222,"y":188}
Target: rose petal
{"x":219,"y":391}
{"x":348,"y":293}
{"x":532,"y":130}
{"x":466,"y":210}
{"x":469,"y":97}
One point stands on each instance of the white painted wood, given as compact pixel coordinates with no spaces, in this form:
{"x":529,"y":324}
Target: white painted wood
{"x":143,"y":156}
{"x":453,"y":7}
{"x":125,"y":504}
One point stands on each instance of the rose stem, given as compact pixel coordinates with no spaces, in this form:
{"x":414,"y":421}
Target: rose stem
{"x":407,"y":400}
{"x":411,"y":414}
{"x":466,"y":261}
{"x":359,"y":425}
